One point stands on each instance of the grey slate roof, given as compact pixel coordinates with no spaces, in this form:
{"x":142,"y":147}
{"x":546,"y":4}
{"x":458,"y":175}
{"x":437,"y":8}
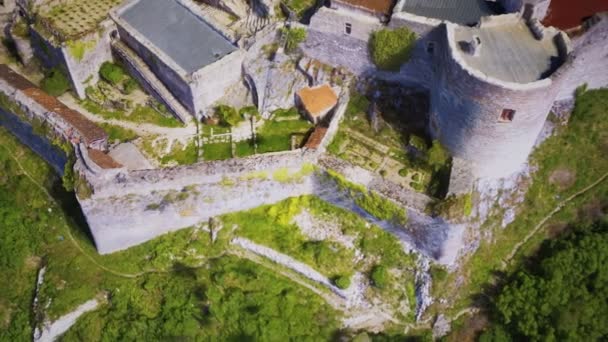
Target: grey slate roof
{"x":462,"y":12}
{"x":191,"y":42}
{"x":510,"y":52}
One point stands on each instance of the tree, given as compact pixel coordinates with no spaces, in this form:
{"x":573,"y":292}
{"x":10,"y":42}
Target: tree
{"x":228,"y":115}
{"x":391,"y":48}
{"x":55,"y":83}
{"x":380,"y":276}
{"x":565,"y":297}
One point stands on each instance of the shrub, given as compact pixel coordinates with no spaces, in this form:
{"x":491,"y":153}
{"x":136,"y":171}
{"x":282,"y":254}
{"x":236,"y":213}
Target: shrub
{"x":380,"y":276}
{"x":111,"y":73}
{"x":358,"y":103}
{"x":129,"y":86}
{"x":293,"y":37}
{"x":228,"y":115}
{"x":251,"y":110}
{"x":438,"y":156}
{"x":55,"y":83}
{"x":391,"y":48}
{"x":418,"y":143}
{"x":403,"y":172}
{"x":342,"y":282}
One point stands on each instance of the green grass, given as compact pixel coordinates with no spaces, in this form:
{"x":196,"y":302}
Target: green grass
{"x":300,"y":6}
{"x":275,"y":136}
{"x":373,"y":203}
{"x":218,"y":151}
{"x":182,"y":155}
{"x":140,"y":114}
{"x":244,"y":148}
{"x":581,"y":148}
{"x":117,"y":132}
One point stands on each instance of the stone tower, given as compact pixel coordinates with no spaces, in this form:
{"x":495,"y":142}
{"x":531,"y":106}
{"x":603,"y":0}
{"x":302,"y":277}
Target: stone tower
{"x":494,"y":87}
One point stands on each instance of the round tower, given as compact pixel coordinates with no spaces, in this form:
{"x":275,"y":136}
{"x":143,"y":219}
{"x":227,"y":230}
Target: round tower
{"x":495,"y":85}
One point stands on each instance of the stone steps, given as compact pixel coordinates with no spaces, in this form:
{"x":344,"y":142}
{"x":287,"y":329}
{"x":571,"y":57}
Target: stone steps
{"x":159,"y":90}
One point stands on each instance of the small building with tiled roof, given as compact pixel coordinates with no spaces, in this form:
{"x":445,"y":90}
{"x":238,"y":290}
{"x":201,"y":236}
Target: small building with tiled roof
{"x":317,"y":102}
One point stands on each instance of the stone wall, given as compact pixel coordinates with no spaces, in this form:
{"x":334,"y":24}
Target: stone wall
{"x":589,"y":59}
{"x":211,"y":83}
{"x":170,"y":75}
{"x":420,"y":25}
{"x":333,"y":21}
{"x":81,"y":71}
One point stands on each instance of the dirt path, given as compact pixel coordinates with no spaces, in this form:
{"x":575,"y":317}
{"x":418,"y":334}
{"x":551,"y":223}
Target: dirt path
{"x":542,"y":222}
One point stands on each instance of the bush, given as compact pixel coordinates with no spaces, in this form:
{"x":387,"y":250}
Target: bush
{"x":342,"y":282}
{"x":418,"y":143}
{"x":111,"y":73}
{"x":228,"y":115}
{"x":391,"y":48}
{"x":129,"y":86}
{"x":55,"y":83}
{"x":293,"y":37}
{"x":380,"y":276}
{"x":438,"y":156}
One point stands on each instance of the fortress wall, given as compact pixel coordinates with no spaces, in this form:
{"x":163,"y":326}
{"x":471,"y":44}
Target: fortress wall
{"x":334,"y":21}
{"x":123,"y":221}
{"x":420,"y":25}
{"x":588,"y":60}
{"x":168,"y":74}
{"x":465,"y":111}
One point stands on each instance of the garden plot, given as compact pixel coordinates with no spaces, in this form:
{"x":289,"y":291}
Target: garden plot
{"x":391,"y":141}
{"x":73,"y":18}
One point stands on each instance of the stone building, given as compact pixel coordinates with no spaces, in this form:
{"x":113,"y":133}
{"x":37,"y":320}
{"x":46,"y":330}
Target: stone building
{"x":194,"y":60}
{"x":493,"y":69}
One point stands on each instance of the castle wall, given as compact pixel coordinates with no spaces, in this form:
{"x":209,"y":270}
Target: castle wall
{"x":334,"y":21}
{"x":588,"y":60}
{"x":420,"y":25}
{"x":465,"y":111}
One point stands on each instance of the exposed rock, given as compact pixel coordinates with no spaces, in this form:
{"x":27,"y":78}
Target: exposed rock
{"x":238,"y":8}
{"x":441,"y":327}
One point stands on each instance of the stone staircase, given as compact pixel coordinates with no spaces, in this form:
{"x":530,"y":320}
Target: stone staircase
{"x":140,"y":70}
{"x":255,"y":22}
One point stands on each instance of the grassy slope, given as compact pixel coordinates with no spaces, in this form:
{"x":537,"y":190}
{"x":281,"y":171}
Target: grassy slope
{"x":226,"y":298}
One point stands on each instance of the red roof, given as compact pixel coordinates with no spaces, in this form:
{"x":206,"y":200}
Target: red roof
{"x":375,"y":6}
{"x":316,"y":137}
{"x":103,"y":160}
{"x":87,"y":129}
{"x":568,"y":14}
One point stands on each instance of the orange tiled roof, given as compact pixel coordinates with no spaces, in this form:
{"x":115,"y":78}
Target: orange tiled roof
{"x":316,"y":137}
{"x":317,"y":100}
{"x":89,"y":130}
{"x":103,"y":160}
{"x":375,"y":6}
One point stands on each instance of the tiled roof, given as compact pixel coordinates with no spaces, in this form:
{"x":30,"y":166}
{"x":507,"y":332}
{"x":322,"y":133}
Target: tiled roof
{"x":316,"y":137}
{"x":567,"y":14}
{"x":87,"y":129}
{"x":464,"y":12}
{"x":103,"y":160}
{"x":318,"y":100}
{"x":376,"y":6}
